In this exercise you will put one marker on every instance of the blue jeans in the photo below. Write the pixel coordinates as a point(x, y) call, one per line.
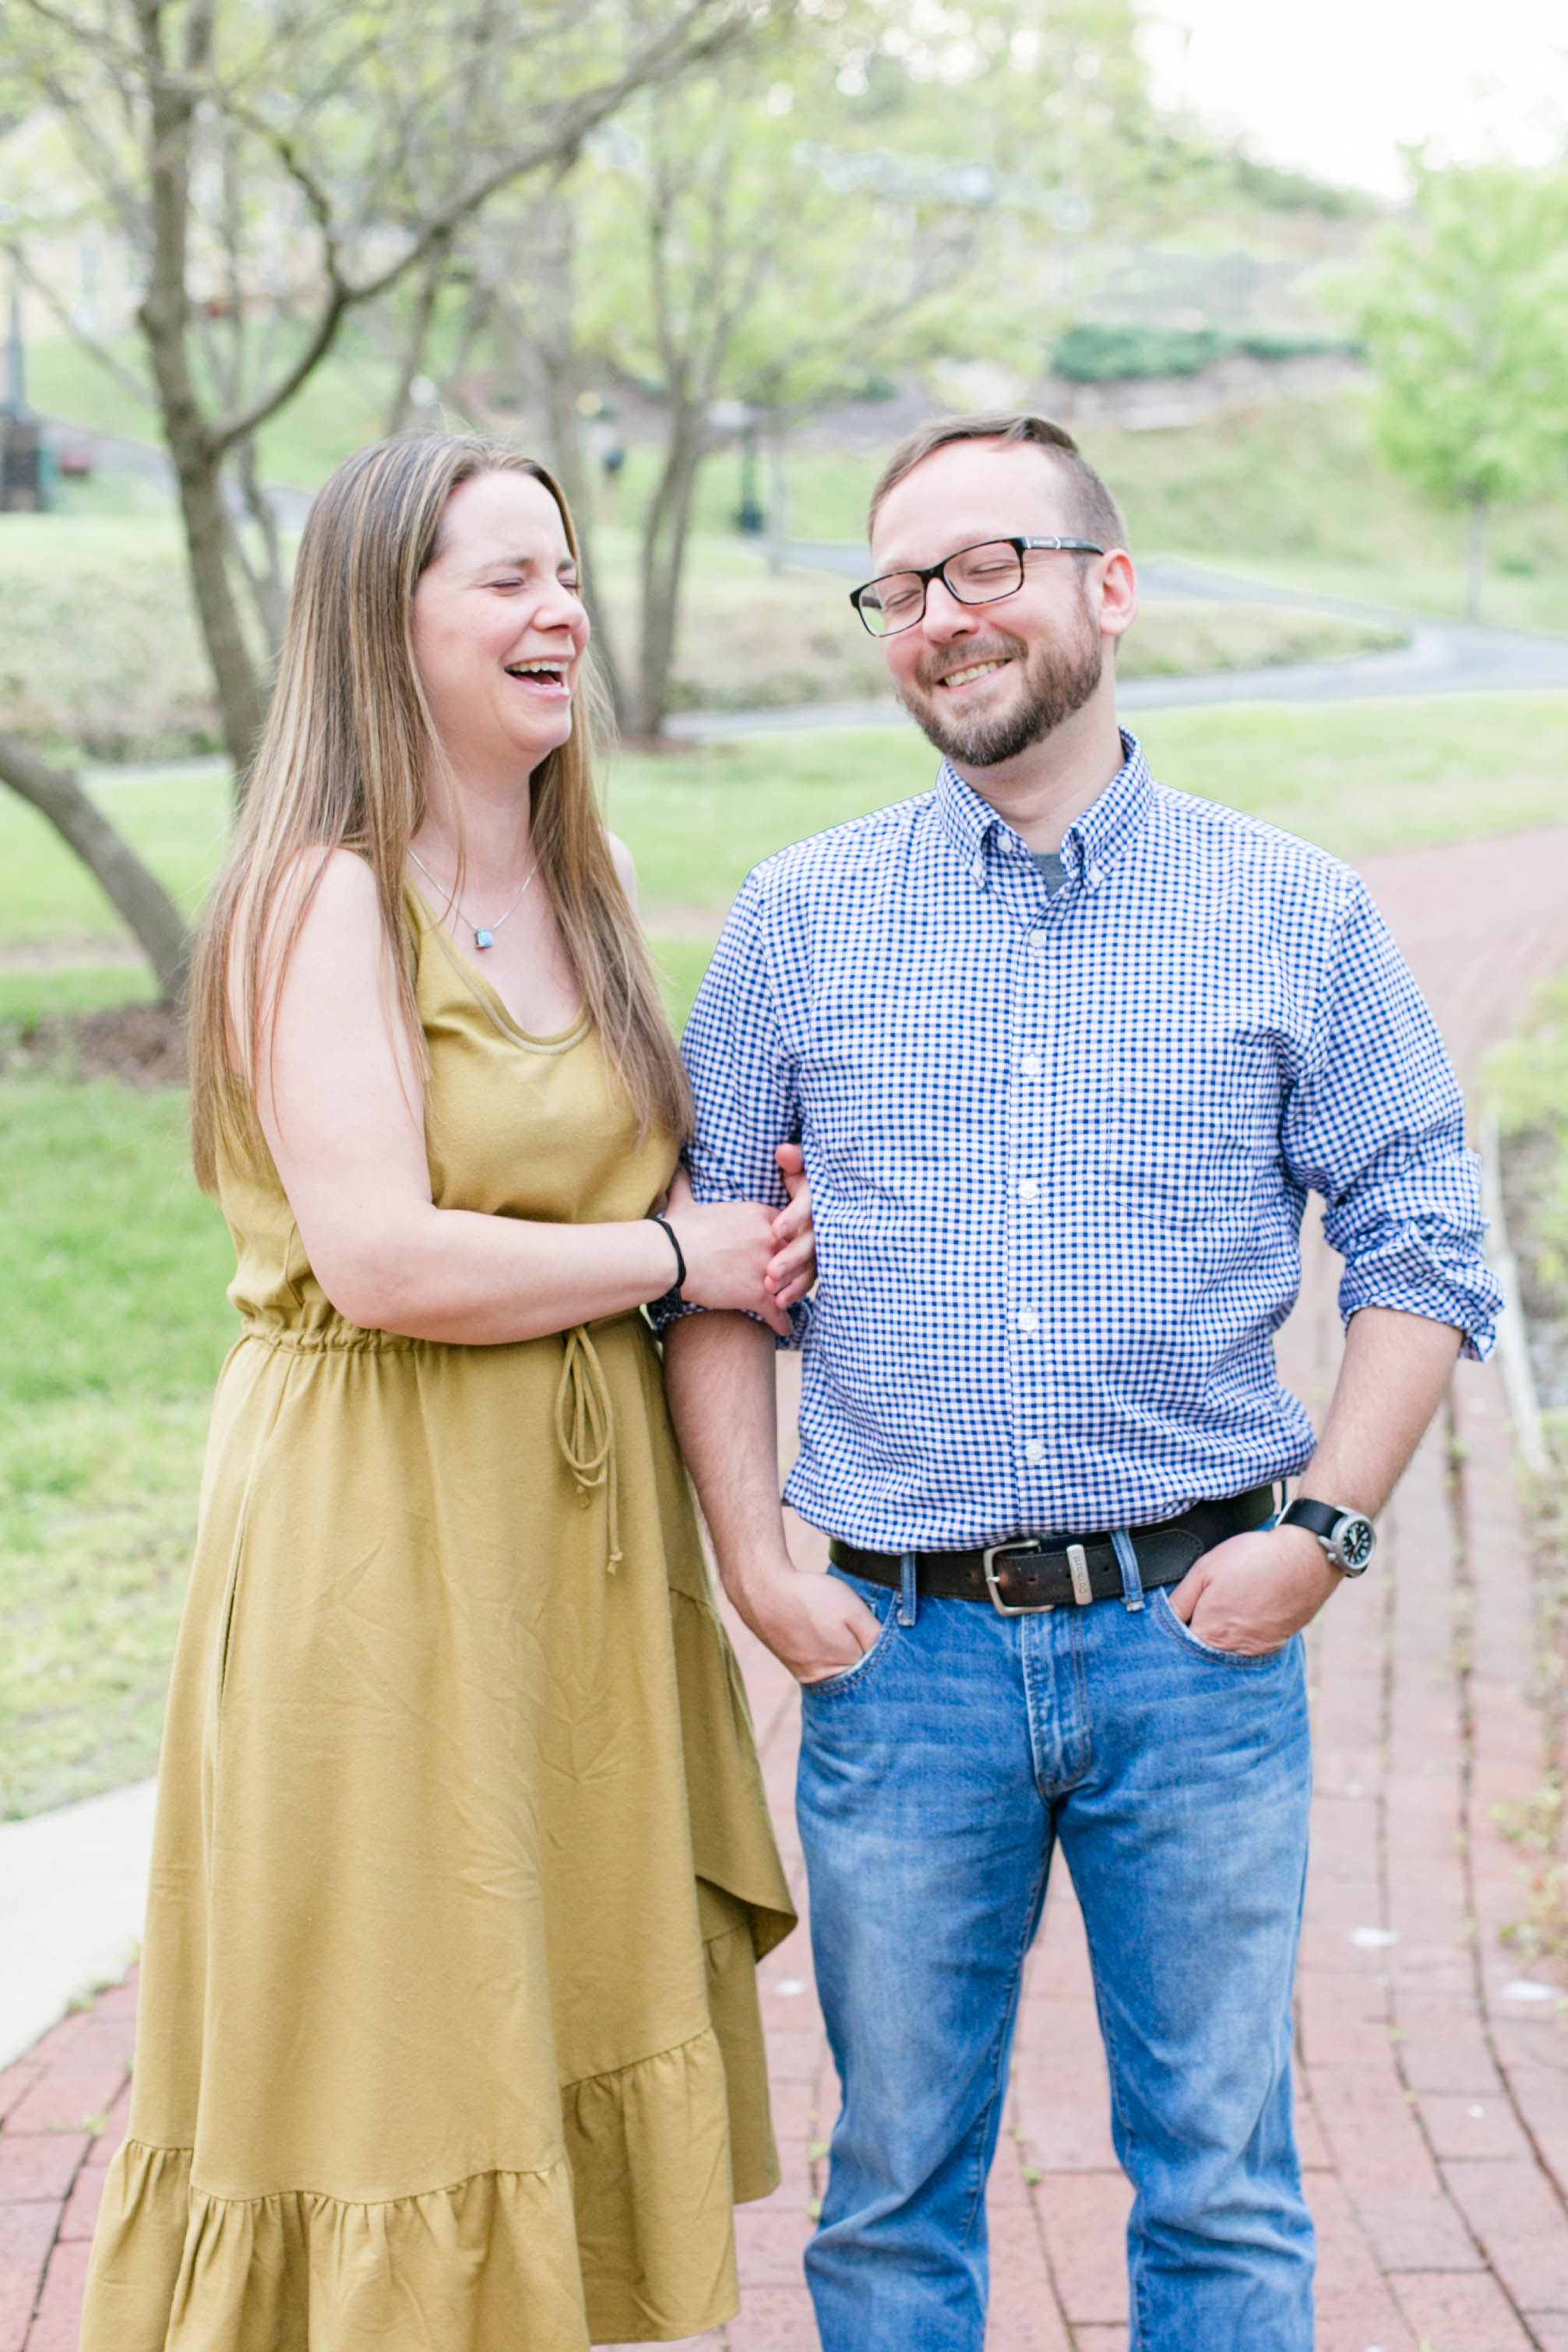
point(935, 1778)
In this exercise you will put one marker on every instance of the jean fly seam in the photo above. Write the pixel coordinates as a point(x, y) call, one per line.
point(1085, 1745)
point(1004, 2034)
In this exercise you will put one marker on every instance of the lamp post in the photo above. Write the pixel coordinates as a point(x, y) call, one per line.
point(752, 518)
point(21, 440)
point(743, 418)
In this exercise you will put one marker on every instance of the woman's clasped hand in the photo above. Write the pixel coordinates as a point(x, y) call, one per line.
point(740, 1256)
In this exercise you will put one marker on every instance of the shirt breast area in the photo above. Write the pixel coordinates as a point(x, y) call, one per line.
point(969, 1052)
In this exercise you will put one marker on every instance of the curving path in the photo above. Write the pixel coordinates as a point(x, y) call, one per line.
point(1433, 2067)
point(1441, 656)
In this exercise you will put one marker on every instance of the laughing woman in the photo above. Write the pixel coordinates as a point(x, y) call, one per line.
point(449, 2036)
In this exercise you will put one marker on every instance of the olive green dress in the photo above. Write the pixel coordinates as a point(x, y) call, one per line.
point(449, 2036)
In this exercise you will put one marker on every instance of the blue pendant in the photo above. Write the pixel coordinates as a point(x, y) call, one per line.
point(484, 939)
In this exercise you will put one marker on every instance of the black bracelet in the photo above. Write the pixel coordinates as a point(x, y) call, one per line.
point(675, 1293)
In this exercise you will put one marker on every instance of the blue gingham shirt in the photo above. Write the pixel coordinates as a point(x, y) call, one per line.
point(1059, 1144)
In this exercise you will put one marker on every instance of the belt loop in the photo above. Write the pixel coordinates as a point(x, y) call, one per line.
point(908, 1588)
point(1127, 1561)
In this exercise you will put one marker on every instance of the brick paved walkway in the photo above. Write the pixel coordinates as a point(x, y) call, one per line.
point(1433, 2071)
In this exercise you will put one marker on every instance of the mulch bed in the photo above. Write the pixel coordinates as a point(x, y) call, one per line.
point(140, 1044)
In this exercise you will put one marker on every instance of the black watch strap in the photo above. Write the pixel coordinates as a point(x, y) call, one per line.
point(1321, 1519)
point(1347, 1537)
point(675, 1295)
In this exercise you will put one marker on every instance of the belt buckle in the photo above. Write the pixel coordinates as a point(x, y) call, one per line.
point(1005, 1608)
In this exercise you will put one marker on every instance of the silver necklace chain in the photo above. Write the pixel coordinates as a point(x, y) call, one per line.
point(484, 933)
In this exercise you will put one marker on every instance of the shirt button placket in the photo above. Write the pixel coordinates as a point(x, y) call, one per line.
point(1027, 1148)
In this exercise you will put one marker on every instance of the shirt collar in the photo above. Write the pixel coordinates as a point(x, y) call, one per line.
point(1104, 827)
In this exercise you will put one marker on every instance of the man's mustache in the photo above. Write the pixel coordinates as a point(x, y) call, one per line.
point(935, 666)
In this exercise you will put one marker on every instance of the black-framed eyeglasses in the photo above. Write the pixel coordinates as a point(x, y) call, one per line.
point(975, 575)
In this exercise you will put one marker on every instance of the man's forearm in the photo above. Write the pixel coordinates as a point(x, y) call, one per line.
point(719, 1375)
point(1392, 1376)
point(1253, 1591)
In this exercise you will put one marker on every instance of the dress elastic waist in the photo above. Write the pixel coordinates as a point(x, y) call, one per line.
point(584, 1408)
point(349, 1338)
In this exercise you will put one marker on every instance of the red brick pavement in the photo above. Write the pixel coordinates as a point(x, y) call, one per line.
point(1434, 2097)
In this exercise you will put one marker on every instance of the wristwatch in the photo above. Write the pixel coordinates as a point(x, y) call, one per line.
point(1348, 1537)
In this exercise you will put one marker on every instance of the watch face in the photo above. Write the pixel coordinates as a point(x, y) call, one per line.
point(1355, 1540)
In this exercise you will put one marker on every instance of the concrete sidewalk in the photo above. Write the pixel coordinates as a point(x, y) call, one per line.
point(73, 1890)
point(1433, 2074)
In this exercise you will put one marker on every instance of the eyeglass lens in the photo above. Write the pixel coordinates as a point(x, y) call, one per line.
point(973, 576)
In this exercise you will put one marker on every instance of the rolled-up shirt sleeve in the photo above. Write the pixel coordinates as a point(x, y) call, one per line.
point(744, 1075)
point(1375, 1123)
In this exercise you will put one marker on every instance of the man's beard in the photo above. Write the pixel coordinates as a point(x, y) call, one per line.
point(1058, 680)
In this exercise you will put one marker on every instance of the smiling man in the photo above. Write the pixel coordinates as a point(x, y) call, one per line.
point(1065, 1053)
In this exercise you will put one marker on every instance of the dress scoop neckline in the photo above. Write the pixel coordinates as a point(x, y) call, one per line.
point(555, 1041)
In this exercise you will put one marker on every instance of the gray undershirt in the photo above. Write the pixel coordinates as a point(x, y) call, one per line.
point(1052, 872)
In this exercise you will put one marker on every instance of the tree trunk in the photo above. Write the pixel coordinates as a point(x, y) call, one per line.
point(137, 896)
point(265, 579)
point(241, 702)
point(427, 294)
point(164, 319)
point(560, 383)
point(664, 531)
point(1475, 555)
point(557, 367)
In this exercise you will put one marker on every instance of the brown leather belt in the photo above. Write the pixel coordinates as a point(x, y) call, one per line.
point(1030, 1572)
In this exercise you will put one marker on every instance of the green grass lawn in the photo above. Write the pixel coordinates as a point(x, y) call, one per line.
point(113, 1267)
point(1359, 777)
point(178, 823)
point(98, 1512)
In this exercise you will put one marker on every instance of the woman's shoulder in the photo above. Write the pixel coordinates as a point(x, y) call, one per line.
point(322, 925)
point(311, 884)
point(625, 867)
point(336, 884)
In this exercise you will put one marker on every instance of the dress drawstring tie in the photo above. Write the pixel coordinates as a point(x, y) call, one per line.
point(585, 1429)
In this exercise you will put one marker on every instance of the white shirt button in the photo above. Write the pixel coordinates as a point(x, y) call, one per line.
point(1035, 1449)
point(1038, 942)
point(978, 871)
point(1030, 1065)
point(1029, 1190)
point(1095, 878)
point(1027, 1319)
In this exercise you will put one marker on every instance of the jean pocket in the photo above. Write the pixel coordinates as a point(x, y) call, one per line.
point(1180, 1631)
point(884, 1602)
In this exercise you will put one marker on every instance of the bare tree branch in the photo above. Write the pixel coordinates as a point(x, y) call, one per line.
point(671, 54)
point(110, 362)
point(94, 39)
point(135, 893)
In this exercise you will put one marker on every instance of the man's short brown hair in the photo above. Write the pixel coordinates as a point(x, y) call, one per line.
point(1096, 514)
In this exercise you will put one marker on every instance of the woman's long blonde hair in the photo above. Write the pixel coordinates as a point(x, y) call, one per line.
point(342, 766)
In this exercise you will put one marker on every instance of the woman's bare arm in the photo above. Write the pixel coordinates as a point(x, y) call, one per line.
point(340, 1103)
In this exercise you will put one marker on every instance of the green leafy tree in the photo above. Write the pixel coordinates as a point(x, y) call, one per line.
point(279, 164)
point(725, 258)
point(1464, 313)
point(852, 195)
